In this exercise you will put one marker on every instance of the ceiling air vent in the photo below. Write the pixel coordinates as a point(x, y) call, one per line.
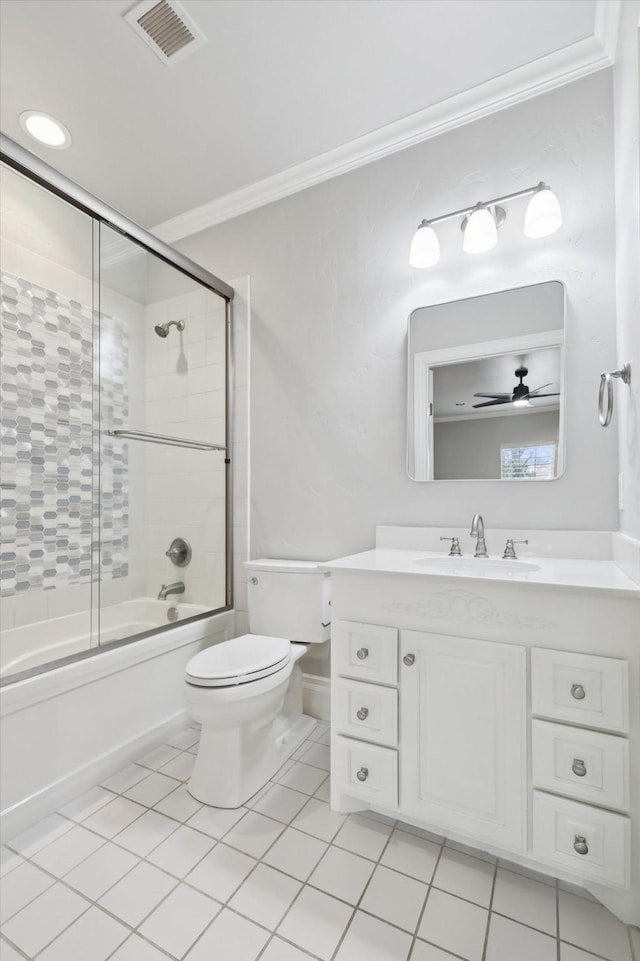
point(166, 29)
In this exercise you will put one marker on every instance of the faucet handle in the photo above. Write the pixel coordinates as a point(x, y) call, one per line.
point(509, 550)
point(455, 546)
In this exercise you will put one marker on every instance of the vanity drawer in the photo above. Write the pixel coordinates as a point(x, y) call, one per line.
point(367, 711)
point(365, 771)
point(580, 688)
point(580, 839)
point(365, 651)
point(584, 764)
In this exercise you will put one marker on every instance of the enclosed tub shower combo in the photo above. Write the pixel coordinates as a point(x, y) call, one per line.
point(116, 467)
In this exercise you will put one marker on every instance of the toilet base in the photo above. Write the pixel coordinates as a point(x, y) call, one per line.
point(244, 774)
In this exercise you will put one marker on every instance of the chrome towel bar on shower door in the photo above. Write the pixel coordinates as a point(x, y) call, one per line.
point(149, 438)
point(605, 411)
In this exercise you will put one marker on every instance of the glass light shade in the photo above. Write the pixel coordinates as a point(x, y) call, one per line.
point(425, 247)
point(480, 234)
point(45, 129)
point(522, 403)
point(543, 216)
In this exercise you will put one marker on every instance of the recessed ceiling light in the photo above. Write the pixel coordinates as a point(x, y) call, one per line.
point(45, 129)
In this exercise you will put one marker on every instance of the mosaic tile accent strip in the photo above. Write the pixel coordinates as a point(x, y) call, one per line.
point(48, 436)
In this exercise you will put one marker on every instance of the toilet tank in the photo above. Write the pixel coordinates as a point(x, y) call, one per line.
point(289, 599)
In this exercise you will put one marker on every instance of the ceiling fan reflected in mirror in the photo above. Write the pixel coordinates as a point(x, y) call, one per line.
point(521, 396)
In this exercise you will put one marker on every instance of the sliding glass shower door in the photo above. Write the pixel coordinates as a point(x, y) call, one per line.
point(163, 429)
point(46, 389)
point(115, 360)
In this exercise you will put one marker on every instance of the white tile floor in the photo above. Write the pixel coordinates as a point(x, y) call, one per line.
point(137, 870)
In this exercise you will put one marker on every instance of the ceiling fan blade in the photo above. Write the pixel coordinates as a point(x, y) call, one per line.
point(536, 389)
point(492, 403)
point(535, 396)
point(495, 396)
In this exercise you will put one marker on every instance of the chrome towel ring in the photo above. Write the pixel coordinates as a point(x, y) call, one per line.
point(605, 409)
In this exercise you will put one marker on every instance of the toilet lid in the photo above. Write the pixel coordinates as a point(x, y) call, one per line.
point(239, 661)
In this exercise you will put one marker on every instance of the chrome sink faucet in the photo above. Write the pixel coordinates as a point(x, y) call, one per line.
point(166, 589)
point(477, 530)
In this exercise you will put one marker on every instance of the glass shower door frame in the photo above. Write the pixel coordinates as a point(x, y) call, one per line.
point(36, 170)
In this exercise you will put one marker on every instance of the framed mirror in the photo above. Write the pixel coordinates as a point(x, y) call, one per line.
point(485, 387)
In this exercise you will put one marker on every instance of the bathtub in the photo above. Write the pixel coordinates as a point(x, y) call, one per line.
point(34, 645)
point(64, 730)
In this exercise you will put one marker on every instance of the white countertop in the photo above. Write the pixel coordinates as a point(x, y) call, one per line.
point(555, 572)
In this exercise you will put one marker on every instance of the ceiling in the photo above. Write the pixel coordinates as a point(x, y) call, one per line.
point(454, 385)
point(283, 94)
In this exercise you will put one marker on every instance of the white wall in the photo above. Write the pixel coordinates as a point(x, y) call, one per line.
point(331, 294)
point(627, 168)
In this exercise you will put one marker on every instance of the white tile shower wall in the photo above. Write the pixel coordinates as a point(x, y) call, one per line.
point(114, 591)
point(185, 489)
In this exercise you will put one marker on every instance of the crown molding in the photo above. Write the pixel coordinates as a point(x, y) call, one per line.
point(538, 77)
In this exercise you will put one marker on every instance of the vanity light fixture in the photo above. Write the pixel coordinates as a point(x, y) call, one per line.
point(480, 230)
point(480, 224)
point(425, 246)
point(543, 215)
point(45, 129)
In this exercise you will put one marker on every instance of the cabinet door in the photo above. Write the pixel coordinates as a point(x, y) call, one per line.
point(463, 736)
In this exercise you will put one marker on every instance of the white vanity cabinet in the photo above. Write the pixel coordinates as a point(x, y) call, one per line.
point(463, 736)
point(437, 730)
point(503, 715)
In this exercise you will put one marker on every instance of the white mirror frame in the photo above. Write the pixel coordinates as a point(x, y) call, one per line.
point(423, 365)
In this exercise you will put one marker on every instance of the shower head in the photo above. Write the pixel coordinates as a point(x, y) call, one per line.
point(162, 330)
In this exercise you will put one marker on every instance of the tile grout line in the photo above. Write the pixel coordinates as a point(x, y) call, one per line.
point(558, 945)
point(90, 904)
point(426, 898)
point(364, 890)
point(95, 903)
point(19, 951)
point(396, 826)
point(485, 946)
point(259, 861)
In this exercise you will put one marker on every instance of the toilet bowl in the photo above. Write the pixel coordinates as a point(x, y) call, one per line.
point(247, 692)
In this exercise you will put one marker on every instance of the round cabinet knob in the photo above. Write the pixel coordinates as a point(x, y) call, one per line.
point(580, 845)
point(363, 714)
point(409, 659)
point(578, 692)
point(578, 767)
point(362, 653)
point(363, 774)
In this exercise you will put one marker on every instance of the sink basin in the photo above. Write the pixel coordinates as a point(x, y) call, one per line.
point(475, 565)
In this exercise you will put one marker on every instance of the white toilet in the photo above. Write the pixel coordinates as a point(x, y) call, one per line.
point(247, 692)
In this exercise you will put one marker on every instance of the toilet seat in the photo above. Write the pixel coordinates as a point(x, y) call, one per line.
point(239, 661)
